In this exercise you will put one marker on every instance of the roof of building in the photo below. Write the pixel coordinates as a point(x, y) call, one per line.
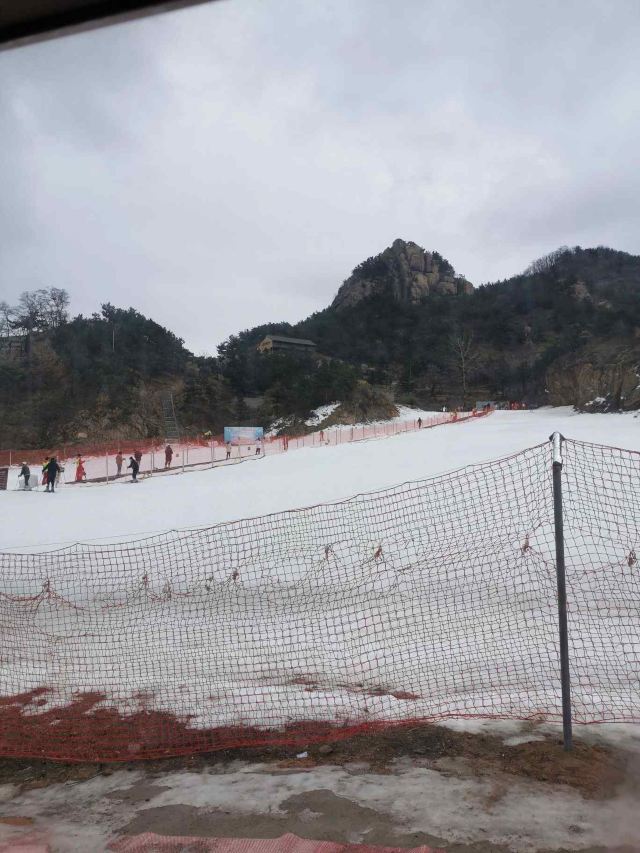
point(282, 339)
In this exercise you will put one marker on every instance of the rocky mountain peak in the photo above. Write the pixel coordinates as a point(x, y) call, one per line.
point(406, 271)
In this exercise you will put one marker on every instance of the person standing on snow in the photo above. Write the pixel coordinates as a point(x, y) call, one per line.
point(119, 461)
point(228, 446)
point(81, 474)
point(135, 467)
point(44, 470)
point(52, 469)
point(419, 423)
point(168, 456)
point(26, 473)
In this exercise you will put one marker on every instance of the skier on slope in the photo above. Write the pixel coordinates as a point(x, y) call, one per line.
point(119, 461)
point(135, 467)
point(168, 456)
point(26, 473)
point(52, 469)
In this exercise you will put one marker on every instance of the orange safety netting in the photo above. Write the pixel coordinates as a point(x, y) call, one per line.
point(200, 451)
point(431, 600)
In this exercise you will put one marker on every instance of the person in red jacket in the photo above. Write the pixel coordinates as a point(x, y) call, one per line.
point(81, 474)
point(168, 456)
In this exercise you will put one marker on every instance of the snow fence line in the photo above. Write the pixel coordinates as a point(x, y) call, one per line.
point(189, 454)
point(431, 600)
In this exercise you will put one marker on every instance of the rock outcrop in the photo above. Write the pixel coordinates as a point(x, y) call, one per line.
point(405, 271)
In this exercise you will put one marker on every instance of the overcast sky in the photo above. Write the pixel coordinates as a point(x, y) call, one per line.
point(229, 164)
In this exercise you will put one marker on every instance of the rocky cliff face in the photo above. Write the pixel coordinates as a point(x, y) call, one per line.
point(405, 271)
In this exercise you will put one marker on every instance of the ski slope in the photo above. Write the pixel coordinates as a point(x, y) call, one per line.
point(434, 601)
point(120, 511)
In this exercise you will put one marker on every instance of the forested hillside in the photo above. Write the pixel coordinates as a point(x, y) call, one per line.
point(565, 331)
point(405, 328)
point(98, 377)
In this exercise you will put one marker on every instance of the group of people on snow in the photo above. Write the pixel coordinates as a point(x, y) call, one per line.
point(136, 460)
point(51, 469)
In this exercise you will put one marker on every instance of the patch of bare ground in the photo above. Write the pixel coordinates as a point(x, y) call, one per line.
point(596, 771)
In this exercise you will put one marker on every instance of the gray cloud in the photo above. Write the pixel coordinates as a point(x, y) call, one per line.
point(229, 164)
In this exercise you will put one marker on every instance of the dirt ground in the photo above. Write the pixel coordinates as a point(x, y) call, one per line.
point(595, 770)
point(459, 791)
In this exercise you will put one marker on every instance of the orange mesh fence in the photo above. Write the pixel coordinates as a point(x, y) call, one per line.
point(100, 457)
point(430, 600)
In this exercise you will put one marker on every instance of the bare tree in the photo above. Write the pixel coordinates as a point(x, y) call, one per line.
point(41, 310)
point(547, 262)
point(31, 311)
point(7, 314)
point(58, 303)
point(465, 356)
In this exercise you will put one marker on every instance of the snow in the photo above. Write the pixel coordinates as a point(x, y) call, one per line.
point(494, 813)
point(257, 680)
point(321, 414)
point(304, 477)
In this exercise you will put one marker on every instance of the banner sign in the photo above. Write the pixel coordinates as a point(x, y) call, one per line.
point(243, 435)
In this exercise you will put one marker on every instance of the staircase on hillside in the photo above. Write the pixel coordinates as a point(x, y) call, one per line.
point(171, 428)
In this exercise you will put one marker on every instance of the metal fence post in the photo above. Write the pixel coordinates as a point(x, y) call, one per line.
point(556, 441)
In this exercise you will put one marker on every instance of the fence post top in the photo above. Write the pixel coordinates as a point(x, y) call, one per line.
point(556, 440)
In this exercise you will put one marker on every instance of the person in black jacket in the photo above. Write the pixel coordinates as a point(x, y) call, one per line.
point(135, 467)
point(52, 469)
point(25, 472)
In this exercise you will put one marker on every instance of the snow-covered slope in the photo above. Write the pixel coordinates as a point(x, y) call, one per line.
point(303, 477)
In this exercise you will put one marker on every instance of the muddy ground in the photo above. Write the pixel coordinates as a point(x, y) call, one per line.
point(459, 791)
point(595, 770)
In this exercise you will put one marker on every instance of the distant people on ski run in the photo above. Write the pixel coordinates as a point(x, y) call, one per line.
point(419, 423)
point(168, 456)
point(81, 474)
point(228, 447)
point(52, 469)
point(44, 470)
point(119, 461)
point(135, 467)
point(26, 473)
